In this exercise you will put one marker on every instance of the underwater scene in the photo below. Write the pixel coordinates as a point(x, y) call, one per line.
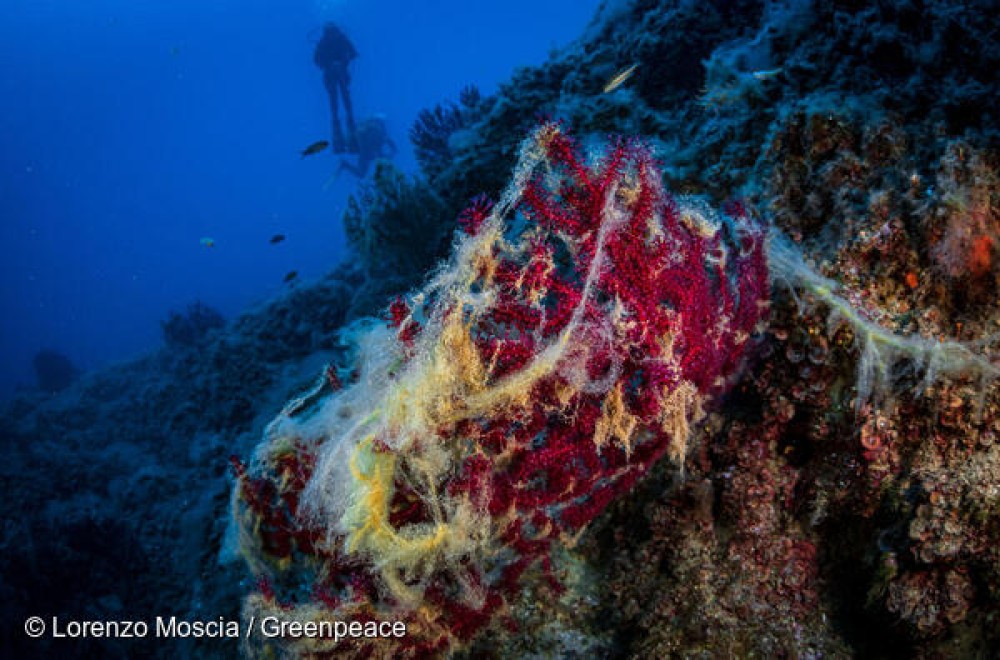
point(533, 329)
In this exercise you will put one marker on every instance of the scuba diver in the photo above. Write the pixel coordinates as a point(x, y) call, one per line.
point(373, 143)
point(333, 53)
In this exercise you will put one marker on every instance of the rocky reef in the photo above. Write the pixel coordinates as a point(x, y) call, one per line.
point(836, 497)
point(841, 501)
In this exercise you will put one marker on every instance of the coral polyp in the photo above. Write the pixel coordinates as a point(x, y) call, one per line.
point(582, 325)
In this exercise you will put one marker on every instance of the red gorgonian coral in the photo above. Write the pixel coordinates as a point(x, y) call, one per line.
point(577, 332)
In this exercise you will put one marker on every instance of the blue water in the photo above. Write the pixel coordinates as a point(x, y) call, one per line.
point(130, 130)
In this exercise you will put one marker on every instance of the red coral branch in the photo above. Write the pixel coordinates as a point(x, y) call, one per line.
point(657, 302)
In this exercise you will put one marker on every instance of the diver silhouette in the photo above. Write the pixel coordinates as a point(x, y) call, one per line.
point(373, 143)
point(332, 55)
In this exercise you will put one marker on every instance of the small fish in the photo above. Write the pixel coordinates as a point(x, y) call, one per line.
point(277, 238)
point(315, 148)
point(290, 276)
point(766, 74)
point(207, 242)
point(619, 79)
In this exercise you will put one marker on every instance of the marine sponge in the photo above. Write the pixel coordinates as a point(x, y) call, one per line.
point(580, 328)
